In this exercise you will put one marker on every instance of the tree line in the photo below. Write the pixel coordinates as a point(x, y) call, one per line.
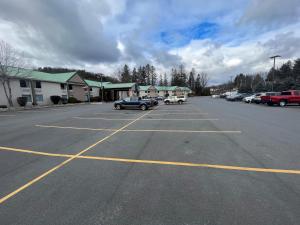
point(276, 79)
point(147, 75)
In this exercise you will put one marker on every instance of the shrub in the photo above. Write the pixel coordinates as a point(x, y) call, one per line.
point(73, 100)
point(22, 101)
point(95, 99)
point(55, 99)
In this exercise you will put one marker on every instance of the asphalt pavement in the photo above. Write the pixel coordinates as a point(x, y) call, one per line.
point(207, 162)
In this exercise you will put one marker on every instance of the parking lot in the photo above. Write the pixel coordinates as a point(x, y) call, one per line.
point(204, 162)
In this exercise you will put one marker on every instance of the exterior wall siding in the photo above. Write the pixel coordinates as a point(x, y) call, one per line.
point(48, 90)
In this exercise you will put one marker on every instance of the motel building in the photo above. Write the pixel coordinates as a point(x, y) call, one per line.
point(148, 91)
point(37, 86)
point(111, 91)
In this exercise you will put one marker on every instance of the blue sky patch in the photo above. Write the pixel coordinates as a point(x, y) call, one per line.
point(180, 37)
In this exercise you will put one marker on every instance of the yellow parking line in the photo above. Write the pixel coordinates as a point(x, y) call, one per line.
point(99, 118)
point(34, 152)
point(121, 119)
point(157, 114)
point(75, 128)
point(185, 131)
point(208, 119)
point(157, 162)
point(3, 199)
point(145, 130)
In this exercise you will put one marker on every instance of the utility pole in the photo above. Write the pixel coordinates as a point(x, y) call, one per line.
point(274, 58)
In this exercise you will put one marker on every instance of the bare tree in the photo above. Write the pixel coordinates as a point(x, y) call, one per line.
point(203, 80)
point(10, 64)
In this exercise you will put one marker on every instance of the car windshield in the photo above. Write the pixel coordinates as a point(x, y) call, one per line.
point(126, 99)
point(286, 93)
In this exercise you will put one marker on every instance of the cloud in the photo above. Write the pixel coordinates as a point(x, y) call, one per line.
point(271, 13)
point(103, 35)
point(72, 31)
point(221, 61)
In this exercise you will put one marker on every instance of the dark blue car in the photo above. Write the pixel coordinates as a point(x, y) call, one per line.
point(132, 103)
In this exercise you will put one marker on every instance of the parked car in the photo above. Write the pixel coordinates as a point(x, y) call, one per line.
point(266, 98)
point(159, 98)
point(175, 99)
point(285, 98)
point(257, 98)
point(249, 99)
point(232, 97)
point(132, 103)
point(153, 101)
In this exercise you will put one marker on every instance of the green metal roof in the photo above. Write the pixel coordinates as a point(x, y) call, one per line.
point(146, 87)
point(166, 88)
point(118, 85)
point(41, 76)
point(92, 83)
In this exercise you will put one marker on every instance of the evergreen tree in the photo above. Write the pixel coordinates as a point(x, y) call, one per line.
point(161, 82)
point(153, 76)
point(142, 76)
point(125, 75)
point(148, 74)
point(191, 80)
point(135, 76)
point(296, 70)
point(165, 80)
point(286, 70)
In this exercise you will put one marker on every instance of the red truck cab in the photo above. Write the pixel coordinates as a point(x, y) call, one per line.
point(267, 96)
point(286, 97)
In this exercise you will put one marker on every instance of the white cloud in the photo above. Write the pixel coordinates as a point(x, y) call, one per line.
point(103, 35)
point(224, 60)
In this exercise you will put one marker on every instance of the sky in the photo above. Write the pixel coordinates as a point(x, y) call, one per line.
point(220, 38)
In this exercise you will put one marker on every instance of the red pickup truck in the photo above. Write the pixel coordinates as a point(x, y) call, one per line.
point(286, 97)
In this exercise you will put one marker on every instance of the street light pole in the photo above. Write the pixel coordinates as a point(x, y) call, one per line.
point(274, 58)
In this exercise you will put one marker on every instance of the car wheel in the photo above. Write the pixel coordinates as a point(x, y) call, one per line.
point(143, 107)
point(282, 103)
point(167, 102)
point(118, 107)
point(180, 102)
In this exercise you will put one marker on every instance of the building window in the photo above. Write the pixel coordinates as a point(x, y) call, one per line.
point(157, 91)
point(91, 89)
point(39, 98)
point(38, 84)
point(70, 87)
point(62, 86)
point(28, 97)
point(64, 96)
point(24, 83)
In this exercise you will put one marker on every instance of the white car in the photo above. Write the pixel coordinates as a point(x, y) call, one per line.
point(249, 99)
point(175, 99)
